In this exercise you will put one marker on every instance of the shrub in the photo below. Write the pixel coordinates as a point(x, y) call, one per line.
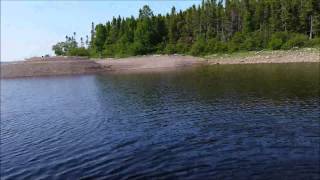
point(170, 49)
point(233, 47)
point(160, 48)
point(198, 48)
point(109, 51)
point(284, 36)
point(182, 47)
point(78, 52)
point(93, 53)
point(215, 46)
point(123, 49)
point(221, 46)
point(255, 41)
point(238, 38)
point(249, 44)
point(314, 42)
point(277, 40)
point(275, 43)
point(211, 46)
point(296, 40)
point(236, 42)
point(138, 48)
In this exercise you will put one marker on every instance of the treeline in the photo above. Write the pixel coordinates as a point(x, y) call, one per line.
point(212, 27)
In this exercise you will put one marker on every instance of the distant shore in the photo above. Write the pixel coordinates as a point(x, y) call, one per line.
point(150, 63)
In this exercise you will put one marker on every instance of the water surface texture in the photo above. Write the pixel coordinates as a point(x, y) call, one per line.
point(218, 122)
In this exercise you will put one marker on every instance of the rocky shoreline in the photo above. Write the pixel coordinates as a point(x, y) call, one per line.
point(78, 65)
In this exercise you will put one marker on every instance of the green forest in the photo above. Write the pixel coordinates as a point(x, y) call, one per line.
point(212, 27)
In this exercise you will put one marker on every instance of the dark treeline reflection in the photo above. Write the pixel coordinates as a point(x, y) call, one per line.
point(272, 82)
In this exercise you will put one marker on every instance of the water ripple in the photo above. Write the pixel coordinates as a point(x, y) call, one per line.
point(188, 125)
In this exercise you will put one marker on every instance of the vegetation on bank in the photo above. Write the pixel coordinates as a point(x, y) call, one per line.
point(262, 53)
point(210, 28)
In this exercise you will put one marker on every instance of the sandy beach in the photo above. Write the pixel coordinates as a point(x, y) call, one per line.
point(151, 63)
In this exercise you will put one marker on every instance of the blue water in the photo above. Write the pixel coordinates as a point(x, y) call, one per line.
point(219, 122)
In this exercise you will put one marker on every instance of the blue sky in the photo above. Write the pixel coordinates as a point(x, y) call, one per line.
point(30, 28)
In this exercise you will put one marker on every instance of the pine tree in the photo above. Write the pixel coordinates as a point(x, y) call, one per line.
point(212, 26)
point(87, 41)
point(100, 37)
point(92, 34)
point(172, 26)
point(81, 42)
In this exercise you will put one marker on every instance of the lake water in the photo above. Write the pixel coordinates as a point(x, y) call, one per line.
point(219, 122)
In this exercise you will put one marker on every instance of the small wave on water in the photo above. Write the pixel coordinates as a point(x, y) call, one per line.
point(220, 122)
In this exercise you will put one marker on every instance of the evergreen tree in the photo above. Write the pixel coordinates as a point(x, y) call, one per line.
point(92, 34)
point(213, 26)
point(100, 37)
point(81, 42)
point(87, 40)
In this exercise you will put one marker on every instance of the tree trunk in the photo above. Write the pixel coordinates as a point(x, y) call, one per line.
point(310, 35)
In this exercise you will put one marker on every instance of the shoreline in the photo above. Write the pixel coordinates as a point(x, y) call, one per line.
point(267, 57)
point(149, 63)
